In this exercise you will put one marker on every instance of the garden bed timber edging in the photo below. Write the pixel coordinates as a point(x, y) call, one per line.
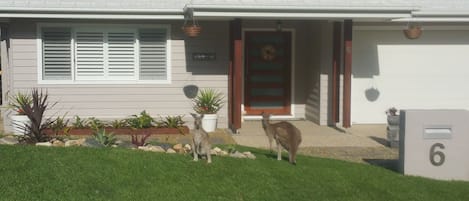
point(123, 131)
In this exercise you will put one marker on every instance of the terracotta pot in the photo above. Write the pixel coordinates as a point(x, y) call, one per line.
point(413, 32)
point(192, 30)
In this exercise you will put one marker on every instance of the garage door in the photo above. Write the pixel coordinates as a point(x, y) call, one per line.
point(388, 70)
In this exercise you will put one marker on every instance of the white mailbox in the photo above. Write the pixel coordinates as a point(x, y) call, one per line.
point(434, 143)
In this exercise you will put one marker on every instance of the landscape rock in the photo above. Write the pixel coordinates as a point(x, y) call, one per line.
point(177, 147)
point(223, 153)
point(91, 142)
point(165, 146)
point(57, 143)
point(71, 143)
point(249, 155)
point(151, 148)
point(187, 147)
point(237, 154)
point(217, 150)
point(171, 151)
point(11, 140)
point(45, 144)
point(213, 152)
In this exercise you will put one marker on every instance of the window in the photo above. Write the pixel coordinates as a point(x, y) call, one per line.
point(104, 54)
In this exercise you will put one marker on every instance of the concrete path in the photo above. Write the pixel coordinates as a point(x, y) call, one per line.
point(313, 135)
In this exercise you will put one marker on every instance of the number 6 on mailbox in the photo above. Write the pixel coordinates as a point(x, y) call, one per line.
point(434, 153)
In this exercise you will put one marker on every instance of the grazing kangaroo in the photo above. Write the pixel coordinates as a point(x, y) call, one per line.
point(286, 135)
point(200, 141)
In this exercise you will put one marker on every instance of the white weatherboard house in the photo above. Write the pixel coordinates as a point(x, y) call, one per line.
point(337, 62)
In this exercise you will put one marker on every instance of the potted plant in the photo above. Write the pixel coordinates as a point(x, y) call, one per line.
point(413, 32)
point(208, 102)
point(19, 119)
point(192, 30)
point(393, 127)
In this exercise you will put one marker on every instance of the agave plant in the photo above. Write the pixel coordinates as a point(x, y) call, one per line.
point(208, 101)
point(106, 139)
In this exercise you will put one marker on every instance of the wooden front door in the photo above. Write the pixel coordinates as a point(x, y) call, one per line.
point(267, 78)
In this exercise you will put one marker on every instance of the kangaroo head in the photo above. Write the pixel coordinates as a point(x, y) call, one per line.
point(265, 119)
point(197, 120)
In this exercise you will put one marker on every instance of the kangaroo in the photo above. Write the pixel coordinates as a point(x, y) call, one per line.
point(200, 141)
point(286, 135)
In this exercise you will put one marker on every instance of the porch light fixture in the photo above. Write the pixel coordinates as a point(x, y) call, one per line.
point(413, 31)
point(279, 25)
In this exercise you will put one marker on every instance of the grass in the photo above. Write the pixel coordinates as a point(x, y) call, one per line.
point(48, 173)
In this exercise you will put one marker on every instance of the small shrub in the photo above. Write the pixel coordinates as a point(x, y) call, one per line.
point(106, 139)
point(139, 140)
point(118, 123)
point(35, 112)
point(144, 120)
point(60, 124)
point(95, 124)
point(173, 121)
point(78, 122)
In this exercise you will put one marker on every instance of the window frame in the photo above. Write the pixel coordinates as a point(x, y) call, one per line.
point(74, 26)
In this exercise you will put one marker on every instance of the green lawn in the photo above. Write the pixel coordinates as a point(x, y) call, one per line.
point(46, 173)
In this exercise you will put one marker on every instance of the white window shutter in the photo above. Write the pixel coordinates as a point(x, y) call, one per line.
point(121, 55)
point(56, 53)
point(89, 55)
point(153, 65)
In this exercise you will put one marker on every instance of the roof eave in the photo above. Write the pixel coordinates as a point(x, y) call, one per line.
point(73, 13)
point(227, 12)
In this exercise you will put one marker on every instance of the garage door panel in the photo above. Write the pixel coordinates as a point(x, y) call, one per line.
point(428, 73)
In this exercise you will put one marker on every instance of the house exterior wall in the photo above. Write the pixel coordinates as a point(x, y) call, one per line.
point(317, 105)
point(391, 71)
point(306, 61)
point(109, 101)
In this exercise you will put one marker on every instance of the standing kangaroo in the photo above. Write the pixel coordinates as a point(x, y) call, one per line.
point(200, 141)
point(285, 134)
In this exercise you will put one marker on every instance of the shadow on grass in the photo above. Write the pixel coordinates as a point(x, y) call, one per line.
point(270, 154)
point(390, 164)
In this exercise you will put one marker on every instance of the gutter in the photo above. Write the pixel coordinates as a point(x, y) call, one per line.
point(97, 13)
point(88, 10)
point(92, 16)
point(440, 13)
point(227, 12)
point(436, 16)
point(263, 8)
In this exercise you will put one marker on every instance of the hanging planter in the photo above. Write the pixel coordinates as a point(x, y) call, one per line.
point(192, 30)
point(413, 32)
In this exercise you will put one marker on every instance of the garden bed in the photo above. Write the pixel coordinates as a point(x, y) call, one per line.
point(121, 131)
